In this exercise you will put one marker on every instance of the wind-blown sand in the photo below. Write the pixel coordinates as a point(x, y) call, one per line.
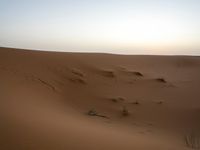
point(79, 101)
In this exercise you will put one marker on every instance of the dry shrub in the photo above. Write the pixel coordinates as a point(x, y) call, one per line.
point(192, 140)
point(92, 112)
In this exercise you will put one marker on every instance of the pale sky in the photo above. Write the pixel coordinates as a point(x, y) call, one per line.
point(108, 26)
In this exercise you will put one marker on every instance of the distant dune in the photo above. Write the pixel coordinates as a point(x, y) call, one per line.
point(82, 101)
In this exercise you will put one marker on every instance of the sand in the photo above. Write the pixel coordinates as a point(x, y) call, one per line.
point(83, 101)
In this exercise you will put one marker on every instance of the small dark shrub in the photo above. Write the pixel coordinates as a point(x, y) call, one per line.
point(136, 102)
point(117, 99)
point(114, 100)
point(161, 80)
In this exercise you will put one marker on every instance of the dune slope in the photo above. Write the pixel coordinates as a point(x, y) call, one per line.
point(76, 101)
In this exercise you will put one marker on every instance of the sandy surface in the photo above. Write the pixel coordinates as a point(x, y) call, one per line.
point(79, 101)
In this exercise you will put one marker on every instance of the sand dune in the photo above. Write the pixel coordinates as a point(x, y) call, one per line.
point(77, 101)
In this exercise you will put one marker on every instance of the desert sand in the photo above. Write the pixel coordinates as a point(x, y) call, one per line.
point(94, 101)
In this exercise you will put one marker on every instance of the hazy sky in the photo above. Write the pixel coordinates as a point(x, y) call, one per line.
point(116, 26)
